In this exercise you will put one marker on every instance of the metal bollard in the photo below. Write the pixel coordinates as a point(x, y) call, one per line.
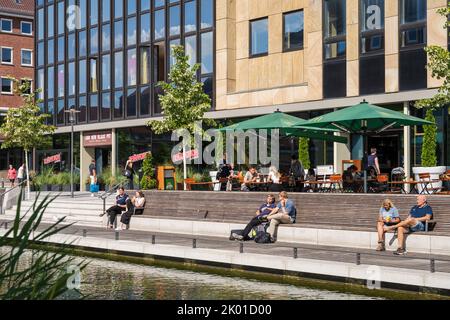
point(194, 243)
point(84, 233)
point(117, 235)
point(295, 253)
point(358, 259)
point(241, 247)
point(432, 266)
point(153, 239)
point(3, 183)
point(6, 225)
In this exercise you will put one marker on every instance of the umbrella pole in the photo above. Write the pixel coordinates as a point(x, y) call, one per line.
point(365, 159)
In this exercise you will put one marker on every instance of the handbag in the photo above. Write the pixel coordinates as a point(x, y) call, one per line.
point(94, 188)
point(127, 173)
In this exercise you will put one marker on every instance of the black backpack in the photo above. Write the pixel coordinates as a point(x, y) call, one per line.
point(263, 237)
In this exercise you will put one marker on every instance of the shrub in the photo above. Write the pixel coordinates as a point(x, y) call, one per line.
point(429, 147)
point(303, 152)
point(148, 181)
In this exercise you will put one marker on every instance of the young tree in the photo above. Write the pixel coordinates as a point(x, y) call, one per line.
point(439, 65)
point(303, 152)
point(25, 127)
point(183, 101)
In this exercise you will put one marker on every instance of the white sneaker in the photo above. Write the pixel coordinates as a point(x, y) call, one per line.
point(118, 229)
point(92, 194)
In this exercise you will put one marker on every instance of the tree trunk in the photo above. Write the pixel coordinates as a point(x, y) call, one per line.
point(184, 166)
point(28, 175)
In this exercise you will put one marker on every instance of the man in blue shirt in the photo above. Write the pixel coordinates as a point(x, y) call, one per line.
point(261, 217)
point(121, 205)
point(418, 216)
point(285, 212)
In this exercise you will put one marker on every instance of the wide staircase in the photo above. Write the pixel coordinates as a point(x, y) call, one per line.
point(316, 210)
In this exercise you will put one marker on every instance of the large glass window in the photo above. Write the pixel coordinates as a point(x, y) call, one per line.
point(50, 82)
point(26, 28)
point(51, 51)
point(60, 112)
point(118, 104)
point(118, 69)
point(82, 76)
point(61, 48)
point(159, 24)
point(83, 8)
point(82, 44)
point(145, 27)
point(207, 13)
point(61, 19)
point(145, 101)
point(41, 22)
point(334, 68)
point(40, 84)
point(94, 41)
point(27, 58)
point(118, 34)
point(40, 53)
point(71, 46)
point(93, 108)
point(131, 6)
point(131, 31)
point(259, 43)
point(71, 79)
point(94, 12)
point(50, 22)
point(207, 59)
point(106, 37)
point(131, 103)
point(61, 78)
point(93, 75)
point(6, 25)
point(159, 55)
point(190, 46)
point(106, 106)
point(190, 16)
point(413, 11)
point(145, 65)
point(174, 14)
point(106, 10)
point(82, 106)
point(145, 5)
point(118, 8)
point(293, 30)
point(106, 72)
point(131, 67)
point(6, 55)
point(7, 86)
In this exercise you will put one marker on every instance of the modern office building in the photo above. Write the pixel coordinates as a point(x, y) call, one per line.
point(304, 57)
point(16, 60)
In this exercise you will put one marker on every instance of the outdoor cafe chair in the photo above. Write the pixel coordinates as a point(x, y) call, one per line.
point(427, 183)
point(335, 183)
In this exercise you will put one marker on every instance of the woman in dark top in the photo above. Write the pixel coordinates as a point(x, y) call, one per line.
point(129, 173)
point(372, 161)
point(121, 205)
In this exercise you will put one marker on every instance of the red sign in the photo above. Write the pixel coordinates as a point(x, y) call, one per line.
point(53, 159)
point(192, 154)
point(138, 157)
point(97, 139)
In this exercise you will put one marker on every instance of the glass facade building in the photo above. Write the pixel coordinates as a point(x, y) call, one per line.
point(105, 56)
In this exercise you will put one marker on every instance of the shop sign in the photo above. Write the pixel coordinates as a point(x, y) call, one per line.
point(97, 139)
point(53, 159)
point(138, 157)
point(190, 155)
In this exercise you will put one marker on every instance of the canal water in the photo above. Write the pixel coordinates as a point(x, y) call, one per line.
point(104, 279)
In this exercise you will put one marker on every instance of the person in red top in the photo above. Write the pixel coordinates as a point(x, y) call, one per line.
point(12, 175)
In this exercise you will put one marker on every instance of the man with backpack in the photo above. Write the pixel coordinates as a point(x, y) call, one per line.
point(260, 218)
point(285, 212)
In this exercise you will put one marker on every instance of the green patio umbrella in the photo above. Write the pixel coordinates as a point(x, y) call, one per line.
point(363, 119)
point(288, 125)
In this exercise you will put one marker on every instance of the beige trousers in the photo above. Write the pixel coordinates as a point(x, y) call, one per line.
point(276, 220)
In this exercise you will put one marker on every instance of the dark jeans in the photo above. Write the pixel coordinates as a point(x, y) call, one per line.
point(131, 183)
point(113, 212)
point(256, 221)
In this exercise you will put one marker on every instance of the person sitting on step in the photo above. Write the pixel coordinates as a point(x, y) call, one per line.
point(135, 206)
point(285, 212)
point(388, 216)
point(121, 205)
point(261, 217)
point(418, 216)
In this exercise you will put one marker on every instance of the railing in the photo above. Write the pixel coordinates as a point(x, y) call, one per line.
point(105, 195)
point(2, 195)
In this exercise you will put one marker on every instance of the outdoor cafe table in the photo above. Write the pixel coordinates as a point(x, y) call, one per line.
point(402, 184)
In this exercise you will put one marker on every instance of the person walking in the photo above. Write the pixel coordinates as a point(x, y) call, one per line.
point(92, 177)
point(12, 175)
point(129, 173)
point(372, 161)
point(21, 174)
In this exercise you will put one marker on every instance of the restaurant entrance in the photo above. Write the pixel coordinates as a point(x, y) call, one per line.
point(389, 148)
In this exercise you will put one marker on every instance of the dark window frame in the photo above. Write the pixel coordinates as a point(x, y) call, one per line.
point(302, 47)
point(250, 47)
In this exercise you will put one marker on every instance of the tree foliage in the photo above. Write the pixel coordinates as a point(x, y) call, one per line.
point(429, 158)
point(183, 101)
point(148, 180)
point(25, 127)
point(303, 152)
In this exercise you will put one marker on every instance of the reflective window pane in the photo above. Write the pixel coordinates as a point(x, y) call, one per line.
point(335, 50)
point(413, 11)
point(40, 83)
point(259, 43)
point(61, 44)
point(82, 103)
point(106, 106)
point(118, 34)
point(145, 101)
point(118, 8)
point(71, 79)
point(131, 103)
point(83, 8)
point(131, 32)
point(118, 69)
point(61, 19)
point(61, 80)
point(94, 41)
point(41, 22)
point(82, 76)
point(334, 19)
point(190, 46)
point(118, 104)
point(71, 46)
point(159, 24)
point(106, 72)
point(173, 43)
point(93, 108)
point(106, 10)
point(190, 16)
point(50, 21)
point(131, 67)
point(145, 5)
point(93, 75)
point(207, 15)
point(372, 15)
point(174, 14)
point(145, 27)
point(131, 6)
point(60, 112)
point(293, 30)
point(145, 65)
point(51, 51)
point(50, 82)
point(106, 37)
point(40, 53)
point(82, 44)
point(94, 12)
point(158, 3)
